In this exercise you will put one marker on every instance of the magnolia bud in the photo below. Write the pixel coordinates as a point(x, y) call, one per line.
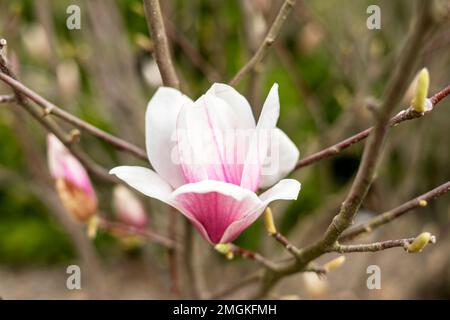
point(226, 249)
point(128, 208)
point(334, 264)
point(72, 181)
point(268, 221)
point(420, 242)
point(419, 102)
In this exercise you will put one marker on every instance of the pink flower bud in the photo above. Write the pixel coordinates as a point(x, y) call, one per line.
point(128, 208)
point(72, 181)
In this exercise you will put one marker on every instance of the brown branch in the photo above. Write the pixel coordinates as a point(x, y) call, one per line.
point(408, 114)
point(50, 108)
point(395, 89)
point(420, 201)
point(117, 227)
point(292, 249)
point(21, 100)
point(156, 27)
point(376, 246)
point(189, 254)
point(270, 38)
point(251, 255)
point(7, 98)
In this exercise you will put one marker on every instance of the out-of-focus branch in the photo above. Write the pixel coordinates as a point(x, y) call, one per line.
point(251, 255)
point(7, 75)
point(157, 30)
point(267, 42)
point(395, 89)
point(376, 246)
point(146, 234)
point(388, 216)
point(404, 115)
point(7, 98)
point(196, 58)
point(50, 108)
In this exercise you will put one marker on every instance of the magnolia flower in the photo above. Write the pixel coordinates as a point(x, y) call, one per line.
point(128, 208)
point(72, 181)
point(210, 158)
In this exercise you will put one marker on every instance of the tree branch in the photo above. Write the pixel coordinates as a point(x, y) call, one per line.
point(50, 108)
point(408, 114)
point(157, 30)
point(376, 246)
point(366, 172)
point(118, 227)
point(390, 215)
point(270, 38)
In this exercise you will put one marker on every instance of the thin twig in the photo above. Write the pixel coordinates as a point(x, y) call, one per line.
point(156, 27)
point(50, 108)
point(251, 255)
point(267, 42)
point(146, 234)
point(189, 255)
point(172, 254)
point(366, 172)
point(21, 100)
point(388, 216)
point(292, 249)
point(374, 247)
point(408, 114)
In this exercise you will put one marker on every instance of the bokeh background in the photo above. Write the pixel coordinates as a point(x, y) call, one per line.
point(327, 63)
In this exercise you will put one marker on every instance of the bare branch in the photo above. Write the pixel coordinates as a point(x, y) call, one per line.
point(404, 115)
point(270, 38)
point(50, 108)
point(376, 246)
point(156, 27)
point(117, 227)
point(420, 201)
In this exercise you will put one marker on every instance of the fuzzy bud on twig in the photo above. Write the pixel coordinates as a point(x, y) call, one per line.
point(268, 222)
point(334, 264)
point(420, 242)
point(226, 249)
point(419, 101)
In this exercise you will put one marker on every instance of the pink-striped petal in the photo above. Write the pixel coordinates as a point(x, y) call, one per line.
point(160, 137)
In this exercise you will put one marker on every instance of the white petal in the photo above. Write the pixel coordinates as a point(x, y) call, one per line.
point(144, 180)
point(160, 122)
point(281, 159)
point(258, 146)
point(270, 110)
point(286, 189)
point(237, 102)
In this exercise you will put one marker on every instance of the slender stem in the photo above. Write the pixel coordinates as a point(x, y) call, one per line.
point(390, 215)
point(335, 149)
point(366, 172)
point(172, 254)
point(270, 38)
point(21, 100)
point(251, 255)
point(117, 227)
point(50, 108)
point(292, 249)
point(156, 27)
point(374, 247)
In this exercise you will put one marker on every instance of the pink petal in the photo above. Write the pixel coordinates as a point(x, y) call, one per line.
point(210, 141)
point(287, 189)
point(213, 206)
point(160, 122)
point(63, 164)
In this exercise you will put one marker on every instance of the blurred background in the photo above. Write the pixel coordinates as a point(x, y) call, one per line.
point(327, 64)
